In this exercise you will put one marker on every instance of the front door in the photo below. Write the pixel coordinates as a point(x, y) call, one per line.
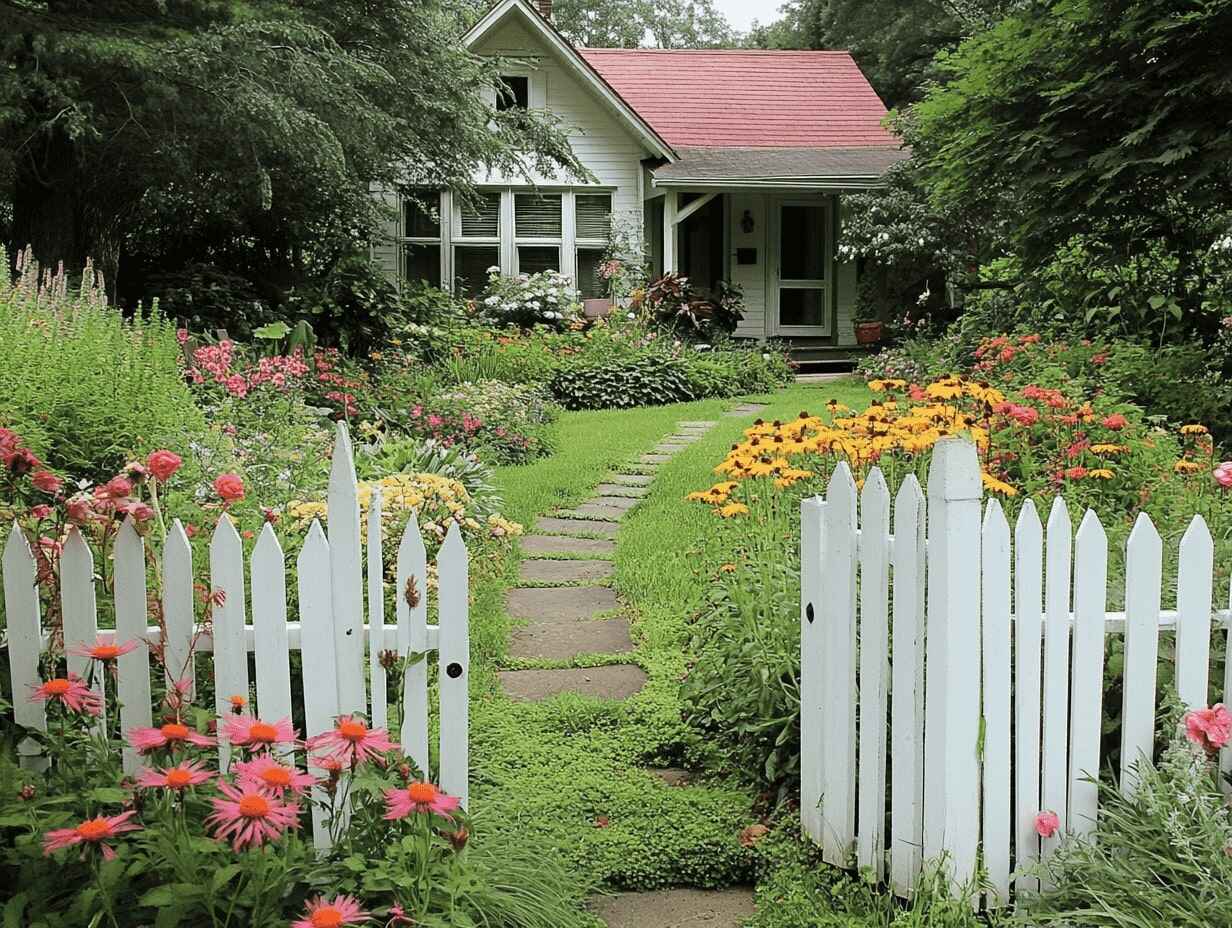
point(798, 281)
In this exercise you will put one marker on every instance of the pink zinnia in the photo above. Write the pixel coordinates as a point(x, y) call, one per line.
point(249, 817)
point(337, 912)
point(1046, 824)
point(352, 741)
point(1210, 729)
point(71, 692)
point(168, 735)
point(178, 778)
point(418, 797)
point(276, 778)
point(101, 650)
point(246, 731)
point(93, 831)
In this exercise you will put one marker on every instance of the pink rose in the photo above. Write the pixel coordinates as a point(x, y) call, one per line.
point(163, 464)
point(1210, 729)
point(79, 510)
point(230, 487)
point(1046, 824)
point(115, 488)
point(46, 481)
point(1223, 474)
point(40, 512)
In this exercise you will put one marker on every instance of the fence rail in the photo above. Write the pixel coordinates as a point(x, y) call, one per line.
point(330, 634)
point(977, 679)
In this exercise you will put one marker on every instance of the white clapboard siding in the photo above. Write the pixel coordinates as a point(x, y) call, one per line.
point(1194, 594)
point(1143, 570)
point(996, 632)
point(1054, 779)
point(838, 798)
point(376, 612)
point(1028, 637)
point(347, 574)
point(178, 606)
point(228, 618)
point(812, 645)
point(453, 653)
point(874, 669)
point(412, 579)
point(907, 689)
point(133, 668)
point(1087, 685)
point(23, 625)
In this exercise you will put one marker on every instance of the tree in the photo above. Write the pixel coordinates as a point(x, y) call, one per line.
point(634, 23)
point(247, 131)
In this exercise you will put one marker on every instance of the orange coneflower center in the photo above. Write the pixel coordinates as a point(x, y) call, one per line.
point(422, 793)
point(95, 829)
point(254, 807)
point(57, 687)
point(262, 731)
point(104, 652)
point(352, 730)
point(276, 776)
point(174, 731)
point(178, 777)
point(326, 917)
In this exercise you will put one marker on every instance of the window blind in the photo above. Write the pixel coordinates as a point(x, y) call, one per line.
point(594, 216)
point(537, 215)
point(482, 219)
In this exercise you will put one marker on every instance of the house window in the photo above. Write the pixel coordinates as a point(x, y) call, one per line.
point(593, 224)
point(513, 92)
point(538, 227)
point(477, 245)
point(421, 237)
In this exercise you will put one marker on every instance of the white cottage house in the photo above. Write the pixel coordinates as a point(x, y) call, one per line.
point(727, 164)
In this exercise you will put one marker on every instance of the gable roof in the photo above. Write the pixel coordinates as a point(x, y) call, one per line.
point(748, 98)
point(566, 52)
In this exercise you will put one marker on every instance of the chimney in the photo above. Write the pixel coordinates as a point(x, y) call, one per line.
point(545, 8)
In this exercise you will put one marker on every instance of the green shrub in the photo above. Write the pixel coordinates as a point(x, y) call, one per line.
point(737, 369)
point(427, 456)
point(86, 388)
point(650, 380)
point(502, 423)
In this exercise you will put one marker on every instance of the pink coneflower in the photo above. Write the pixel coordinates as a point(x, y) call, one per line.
point(351, 741)
point(71, 692)
point(270, 775)
point(418, 797)
point(171, 734)
point(246, 731)
point(249, 817)
point(179, 777)
point(103, 651)
point(93, 831)
point(334, 913)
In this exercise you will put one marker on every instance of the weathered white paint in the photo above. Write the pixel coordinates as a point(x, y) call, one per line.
point(874, 669)
point(1054, 779)
point(1028, 635)
point(812, 667)
point(1087, 686)
point(133, 668)
point(995, 619)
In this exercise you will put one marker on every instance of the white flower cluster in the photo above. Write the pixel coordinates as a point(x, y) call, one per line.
point(528, 299)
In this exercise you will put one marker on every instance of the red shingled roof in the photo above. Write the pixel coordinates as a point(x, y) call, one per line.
point(747, 98)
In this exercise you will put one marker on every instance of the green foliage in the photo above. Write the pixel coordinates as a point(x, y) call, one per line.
point(355, 308)
point(503, 423)
point(417, 456)
point(650, 380)
point(626, 23)
point(675, 305)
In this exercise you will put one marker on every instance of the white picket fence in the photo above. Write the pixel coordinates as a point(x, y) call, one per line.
point(981, 674)
point(330, 634)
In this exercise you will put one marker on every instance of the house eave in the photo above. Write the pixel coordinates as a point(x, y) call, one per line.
point(865, 182)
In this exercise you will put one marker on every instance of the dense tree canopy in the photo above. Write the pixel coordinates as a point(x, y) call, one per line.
point(245, 133)
point(634, 23)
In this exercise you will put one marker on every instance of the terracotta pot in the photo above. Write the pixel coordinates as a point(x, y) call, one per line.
point(868, 333)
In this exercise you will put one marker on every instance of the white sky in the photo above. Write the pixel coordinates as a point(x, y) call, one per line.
point(741, 13)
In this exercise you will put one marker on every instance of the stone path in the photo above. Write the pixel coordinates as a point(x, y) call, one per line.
point(564, 611)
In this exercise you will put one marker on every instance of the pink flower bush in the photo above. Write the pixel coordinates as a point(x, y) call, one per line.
point(418, 797)
point(1047, 823)
point(1210, 729)
point(248, 816)
point(256, 735)
point(170, 735)
point(94, 832)
point(71, 692)
point(268, 774)
point(177, 778)
point(336, 913)
point(351, 741)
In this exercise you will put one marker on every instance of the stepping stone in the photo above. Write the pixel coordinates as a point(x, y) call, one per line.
point(592, 511)
point(632, 480)
point(677, 908)
point(619, 489)
point(569, 526)
point(613, 502)
point(565, 602)
point(619, 681)
point(672, 776)
point(745, 409)
point(697, 424)
point(566, 639)
point(685, 438)
point(558, 544)
point(564, 571)
point(655, 458)
point(668, 449)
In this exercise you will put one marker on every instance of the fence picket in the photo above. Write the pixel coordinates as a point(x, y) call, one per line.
point(1143, 578)
point(906, 689)
point(376, 612)
point(1087, 686)
point(995, 618)
point(1225, 756)
point(24, 628)
point(1195, 576)
point(79, 610)
point(838, 798)
point(346, 566)
point(317, 649)
point(230, 653)
point(812, 630)
point(1028, 635)
point(269, 627)
point(1054, 782)
point(412, 574)
point(874, 669)
point(453, 653)
point(178, 605)
point(132, 620)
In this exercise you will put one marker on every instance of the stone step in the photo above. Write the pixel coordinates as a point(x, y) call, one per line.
point(541, 571)
point(594, 511)
point(621, 490)
point(564, 602)
point(745, 409)
point(700, 424)
point(565, 639)
point(632, 480)
point(576, 526)
point(682, 439)
point(668, 448)
point(677, 908)
point(619, 681)
point(541, 545)
point(655, 458)
point(612, 502)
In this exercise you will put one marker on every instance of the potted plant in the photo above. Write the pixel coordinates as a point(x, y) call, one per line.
point(869, 330)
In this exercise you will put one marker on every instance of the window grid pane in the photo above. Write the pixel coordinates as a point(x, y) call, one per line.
point(590, 282)
point(535, 258)
point(513, 92)
point(483, 219)
point(422, 262)
point(419, 222)
point(594, 216)
point(471, 263)
point(537, 215)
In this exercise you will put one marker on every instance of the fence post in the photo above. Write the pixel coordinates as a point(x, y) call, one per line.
point(996, 629)
point(952, 754)
point(812, 630)
point(317, 651)
point(21, 608)
point(411, 603)
point(1143, 579)
point(230, 647)
point(132, 620)
point(1028, 638)
point(1054, 776)
point(346, 568)
point(453, 652)
point(874, 669)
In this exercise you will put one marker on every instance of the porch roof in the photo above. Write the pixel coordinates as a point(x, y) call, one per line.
point(814, 168)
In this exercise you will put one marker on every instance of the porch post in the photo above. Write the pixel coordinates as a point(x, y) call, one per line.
point(670, 204)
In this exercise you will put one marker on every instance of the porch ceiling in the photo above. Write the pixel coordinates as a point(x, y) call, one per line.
point(779, 167)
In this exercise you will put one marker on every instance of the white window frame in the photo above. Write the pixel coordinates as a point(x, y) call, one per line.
point(531, 241)
point(440, 239)
point(579, 243)
point(459, 240)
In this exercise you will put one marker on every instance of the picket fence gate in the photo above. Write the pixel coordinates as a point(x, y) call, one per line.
point(978, 658)
point(330, 634)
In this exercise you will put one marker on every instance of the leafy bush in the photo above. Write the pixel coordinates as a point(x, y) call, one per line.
point(501, 422)
point(86, 388)
point(737, 369)
point(527, 300)
point(650, 380)
point(355, 308)
point(674, 304)
point(206, 297)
